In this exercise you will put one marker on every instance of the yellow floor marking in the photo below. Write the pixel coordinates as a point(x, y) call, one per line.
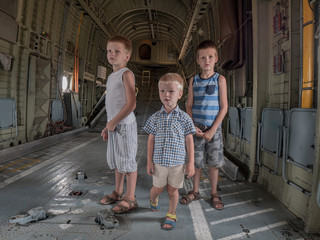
point(12, 163)
point(33, 161)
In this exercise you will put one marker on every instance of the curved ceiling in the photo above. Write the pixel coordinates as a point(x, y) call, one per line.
point(171, 20)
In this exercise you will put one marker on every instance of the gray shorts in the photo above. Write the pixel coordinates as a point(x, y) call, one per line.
point(122, 148)
point(210, 153)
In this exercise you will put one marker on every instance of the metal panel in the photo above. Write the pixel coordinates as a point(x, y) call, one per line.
point(38, 97)
point(302, 128)
point(234, 119)
point(246, 119)
point(8, 113)
point(298, 142)
point(57, 113)
point(8, 24)
point(73, 108)
point(269, 136)
point(272, 121)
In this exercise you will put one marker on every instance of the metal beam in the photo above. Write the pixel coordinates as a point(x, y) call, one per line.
point(96, 17)
point(191, 24)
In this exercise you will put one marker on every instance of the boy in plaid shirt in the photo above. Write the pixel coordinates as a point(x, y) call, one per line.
point(170, 138)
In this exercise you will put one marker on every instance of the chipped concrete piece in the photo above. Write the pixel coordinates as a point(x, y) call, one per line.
point(34, 214)
point(106, 218)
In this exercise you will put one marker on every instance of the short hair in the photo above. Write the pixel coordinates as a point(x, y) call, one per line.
point(172, 77)
point(125, 41)
point(206, 44)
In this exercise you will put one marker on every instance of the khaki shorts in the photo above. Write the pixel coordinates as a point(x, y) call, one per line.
point(174, 176)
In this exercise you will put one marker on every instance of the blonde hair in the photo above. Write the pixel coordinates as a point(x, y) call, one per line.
point(172, 77)
point(125, 41)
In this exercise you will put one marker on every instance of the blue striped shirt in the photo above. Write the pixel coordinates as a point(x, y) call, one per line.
point(205, 99)
point(170, 131)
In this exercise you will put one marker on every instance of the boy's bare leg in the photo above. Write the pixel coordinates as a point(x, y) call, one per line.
point(131, 188)
point(155, 193)
point(173, 198)
point(214, 176)
point(196, 179)
point(119, 181)
point(131, 184)
point(173, 202)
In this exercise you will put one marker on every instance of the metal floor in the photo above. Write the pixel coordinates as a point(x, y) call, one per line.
point(47, 178)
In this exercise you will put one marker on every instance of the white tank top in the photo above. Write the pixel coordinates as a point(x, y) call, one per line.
point(116, 96)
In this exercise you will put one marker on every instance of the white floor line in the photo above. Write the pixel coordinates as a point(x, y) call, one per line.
point(230, 185)
point(201, 228)
point(235, 193)
point(47, 162)
point(235, 204)
point(253, 231)
point(241, 216)
point(221, 186)
point(220, 181)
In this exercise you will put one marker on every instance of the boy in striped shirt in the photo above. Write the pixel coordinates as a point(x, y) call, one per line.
point(207, 105)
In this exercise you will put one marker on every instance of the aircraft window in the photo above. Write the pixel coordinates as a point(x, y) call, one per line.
point(145, 52)
point(66, 82)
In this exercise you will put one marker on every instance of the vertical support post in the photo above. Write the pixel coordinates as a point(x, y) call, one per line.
point(308, 55)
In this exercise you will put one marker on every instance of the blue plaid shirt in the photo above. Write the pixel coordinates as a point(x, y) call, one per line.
point(170, 131)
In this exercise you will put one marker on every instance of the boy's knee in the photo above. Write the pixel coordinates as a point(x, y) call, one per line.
point(172, 190)
point(158, 190)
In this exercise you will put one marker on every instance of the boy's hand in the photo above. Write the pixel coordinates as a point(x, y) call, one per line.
point(199, 133)
point(150, 169)
point(208, 135)
point(111, 126)
point(189, 170)
point(104, 134)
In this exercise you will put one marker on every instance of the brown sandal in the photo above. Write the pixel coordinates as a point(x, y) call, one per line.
point(186, 198)
point(132, 204)
point(109, 199)
point(216, 202)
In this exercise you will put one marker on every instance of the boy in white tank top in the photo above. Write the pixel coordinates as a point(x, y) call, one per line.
point(121, 127)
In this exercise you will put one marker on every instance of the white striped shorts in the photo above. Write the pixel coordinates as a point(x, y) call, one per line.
point(122, 148)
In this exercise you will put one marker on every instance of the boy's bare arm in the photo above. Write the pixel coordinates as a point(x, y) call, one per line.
point(189, 103)
point(190, 150)
point(150, 168)
point(223, 109)
point(129, 85)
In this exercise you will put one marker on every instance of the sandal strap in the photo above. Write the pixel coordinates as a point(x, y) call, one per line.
point(172, 216)
point(122, 207)
point(154, 204)
point(131, 203)
point(195, 194)
point(115, 194)
point(113, 197)
point(186, 198)
point(216, 196)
